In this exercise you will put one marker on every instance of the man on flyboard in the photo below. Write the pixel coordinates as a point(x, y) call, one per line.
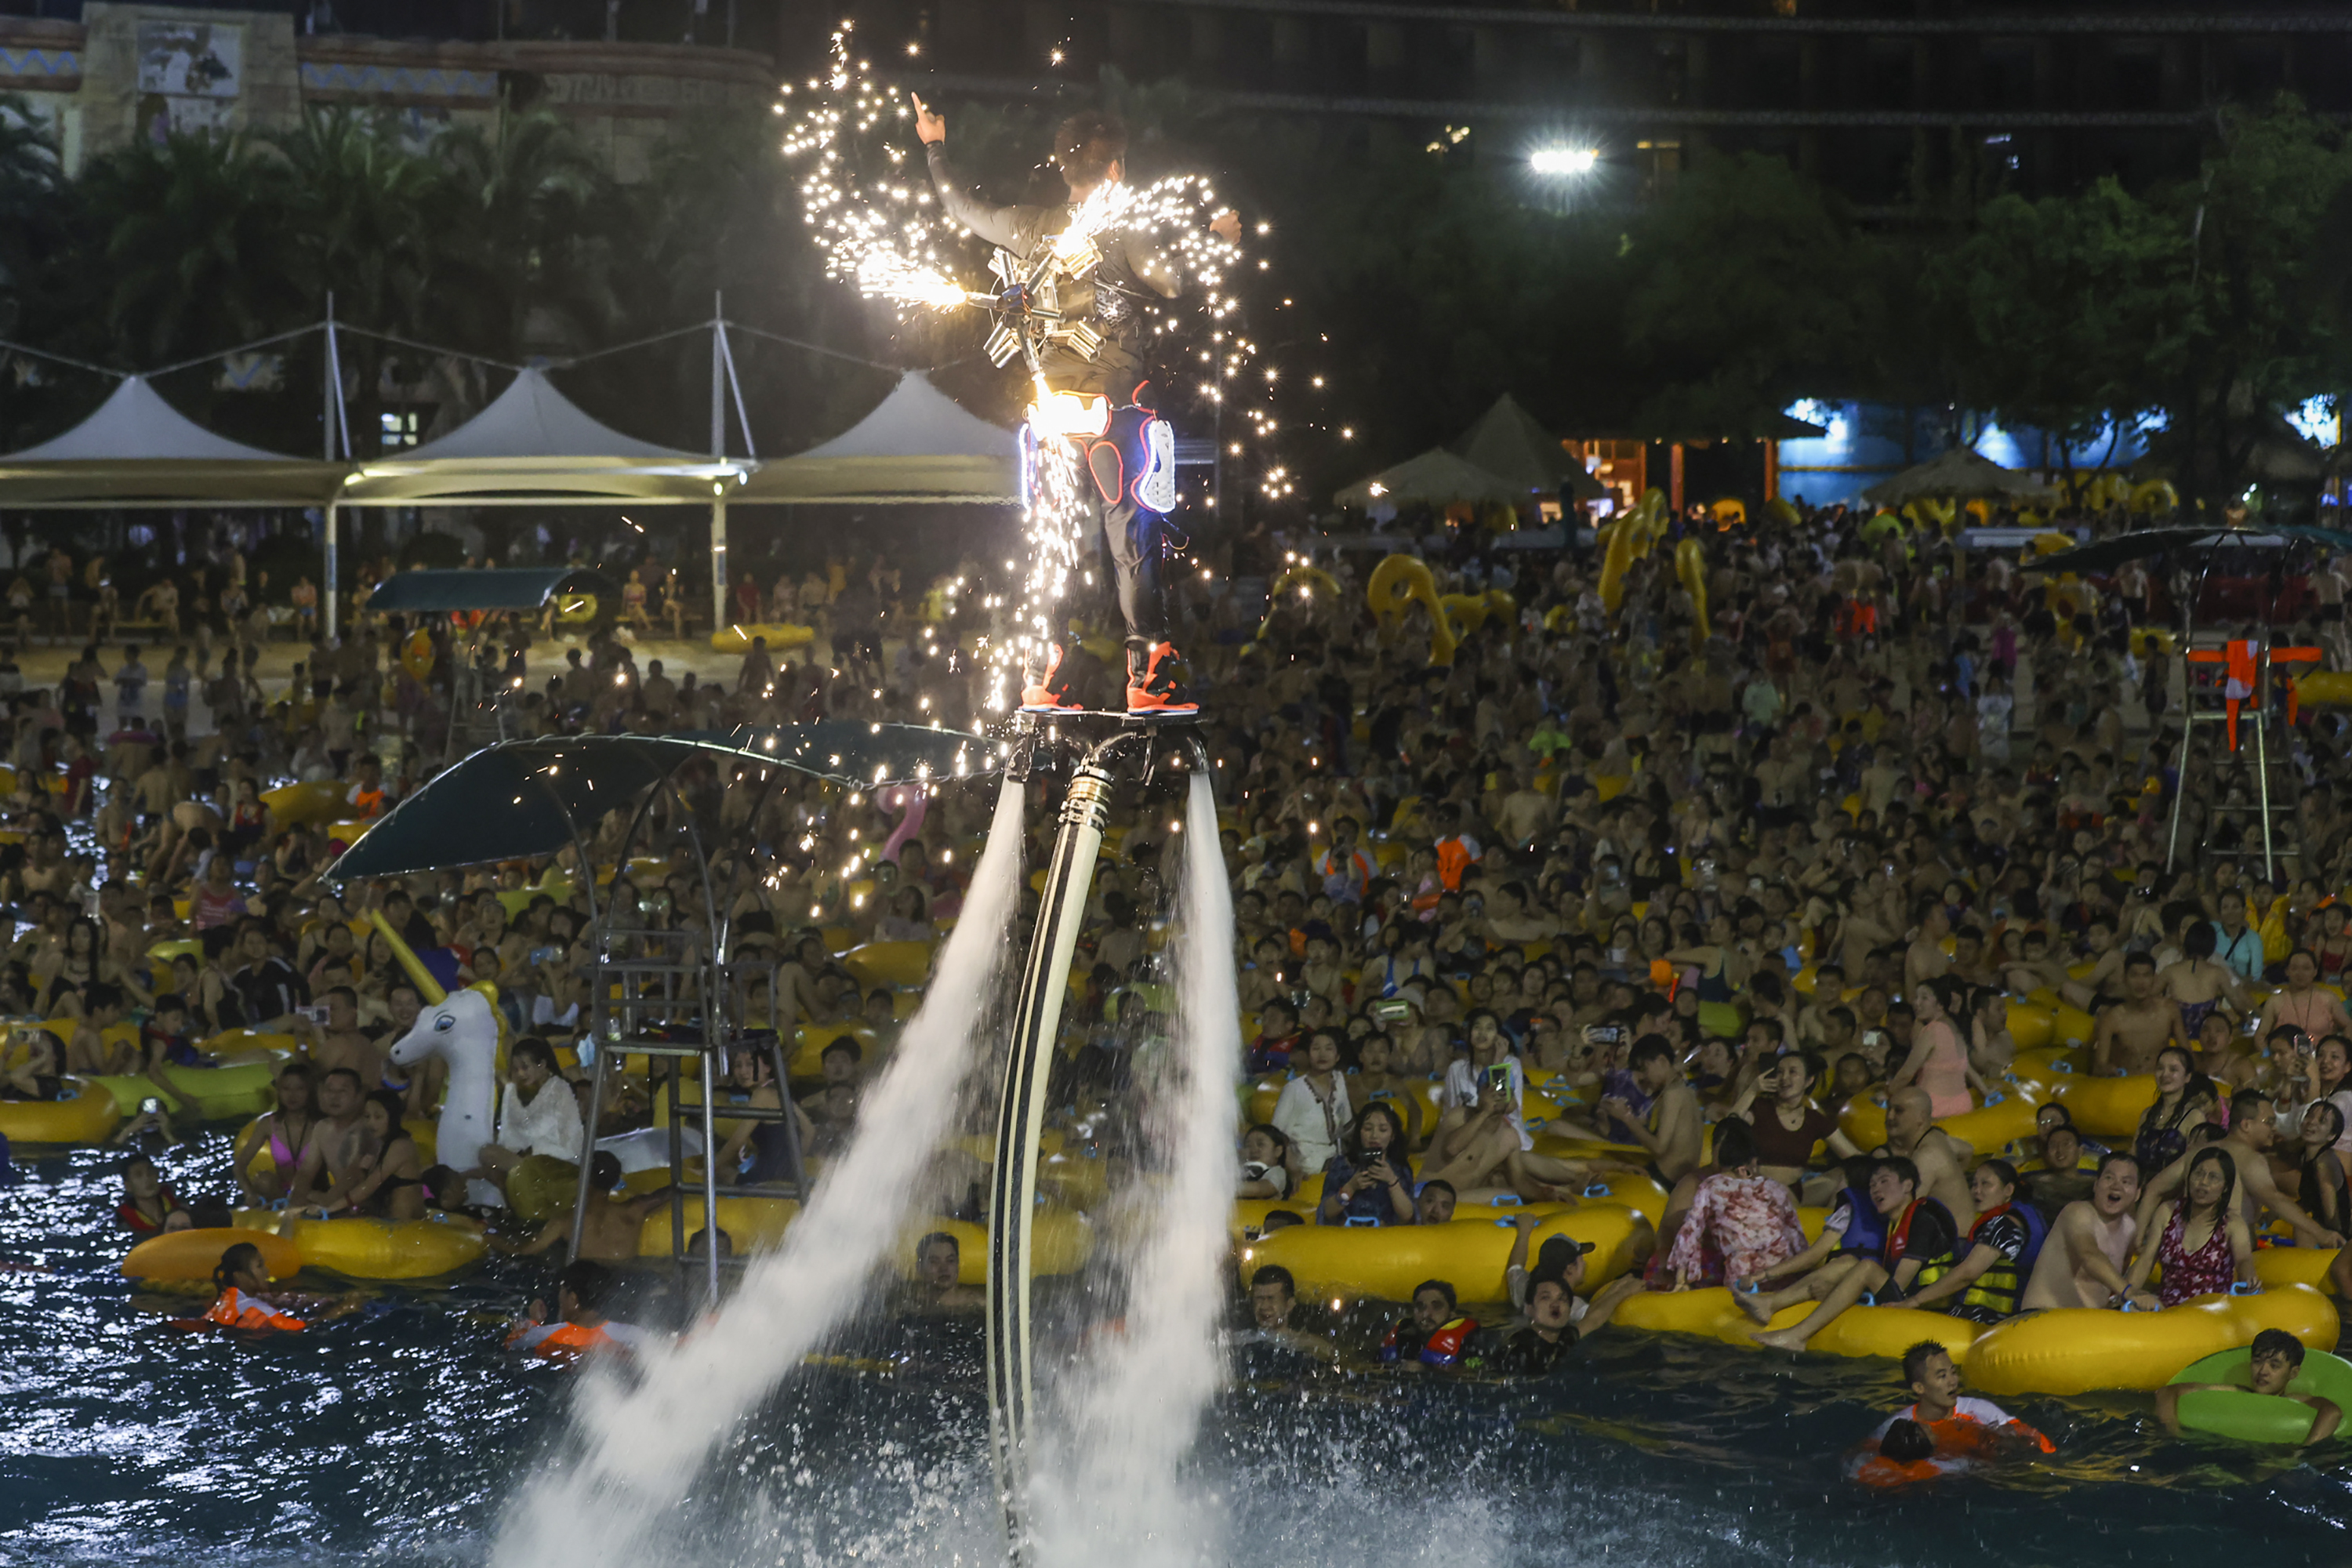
point(1090, 150)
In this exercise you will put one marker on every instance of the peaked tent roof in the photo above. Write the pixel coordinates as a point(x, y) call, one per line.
point(1962, 472)
point(918, 445)
point(1437, 477)
point(1507, 440)
point(136, 447)
point(533, 442)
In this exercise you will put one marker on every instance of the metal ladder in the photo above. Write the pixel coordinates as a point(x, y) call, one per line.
point(665, 1010)
point(2253, 786)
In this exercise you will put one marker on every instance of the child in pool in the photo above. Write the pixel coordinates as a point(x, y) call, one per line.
point(238, 1302)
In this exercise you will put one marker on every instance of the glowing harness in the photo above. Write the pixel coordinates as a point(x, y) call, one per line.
point(1129, 452)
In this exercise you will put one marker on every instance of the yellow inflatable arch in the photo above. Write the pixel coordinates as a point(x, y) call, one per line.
point(1401, 580)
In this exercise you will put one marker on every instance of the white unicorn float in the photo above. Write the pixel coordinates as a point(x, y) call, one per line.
point(464, 1029)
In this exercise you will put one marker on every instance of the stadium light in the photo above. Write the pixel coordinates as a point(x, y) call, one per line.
point(1563, 160)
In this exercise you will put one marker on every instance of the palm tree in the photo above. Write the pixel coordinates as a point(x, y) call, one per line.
point(32, 216)
point(527, 256)
point(194, 232)
point(362, 217)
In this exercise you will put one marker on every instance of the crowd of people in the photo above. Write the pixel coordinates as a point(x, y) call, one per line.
point(1690, 882)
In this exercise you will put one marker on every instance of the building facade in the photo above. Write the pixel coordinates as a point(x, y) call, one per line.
point(128, 71)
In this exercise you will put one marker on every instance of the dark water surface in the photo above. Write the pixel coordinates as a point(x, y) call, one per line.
point(397, 1433)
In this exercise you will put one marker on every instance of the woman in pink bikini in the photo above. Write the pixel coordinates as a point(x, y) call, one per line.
point(2201, 1238)
point(1938, 1060)
point(282, 1132)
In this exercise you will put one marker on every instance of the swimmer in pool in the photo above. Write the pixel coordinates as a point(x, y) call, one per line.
point(2277, 1358)
point(243, 1299)
point(1962, 1429)
point(938, 1264)
point(239, 1283)
point(579, 1324)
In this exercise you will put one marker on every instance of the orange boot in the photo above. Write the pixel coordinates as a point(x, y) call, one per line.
point(1151, 683)
point(1044, 687)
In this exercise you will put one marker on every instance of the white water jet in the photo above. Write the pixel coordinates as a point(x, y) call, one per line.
point(1112, 1485)
point(645, 1442)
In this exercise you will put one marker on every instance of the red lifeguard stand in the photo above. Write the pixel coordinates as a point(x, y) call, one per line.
point(2246, 677)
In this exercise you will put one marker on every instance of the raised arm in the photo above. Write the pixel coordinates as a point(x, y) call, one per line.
point(998, 226)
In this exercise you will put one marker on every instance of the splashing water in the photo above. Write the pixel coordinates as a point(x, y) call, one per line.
point(1115, 1491)
point(645, 1443)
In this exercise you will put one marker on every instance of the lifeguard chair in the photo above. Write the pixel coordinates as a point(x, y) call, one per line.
point(2246, 686)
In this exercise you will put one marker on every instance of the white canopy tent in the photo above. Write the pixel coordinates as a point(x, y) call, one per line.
point(918, 445)
point(137, 450)
point(534, 446)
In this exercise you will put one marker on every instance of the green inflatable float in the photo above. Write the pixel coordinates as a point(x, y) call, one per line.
point(2252, 1418)
point(211, 1094)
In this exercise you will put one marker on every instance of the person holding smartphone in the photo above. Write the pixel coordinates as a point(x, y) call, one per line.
point(1369, 1181)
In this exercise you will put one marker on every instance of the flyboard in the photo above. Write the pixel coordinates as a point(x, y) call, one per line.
point(1094, 752)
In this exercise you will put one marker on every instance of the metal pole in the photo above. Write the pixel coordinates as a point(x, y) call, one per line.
point(717, 451)
point(329, 401)
point(2263, 749)
point(327, 398)
point(334, 570)
point(717, 562)
point(1020, 1118)
point(588, 1151)
point(717, 376)
point(710, 1153)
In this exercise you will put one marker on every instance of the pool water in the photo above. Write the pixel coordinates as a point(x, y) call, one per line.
point(396, 1435)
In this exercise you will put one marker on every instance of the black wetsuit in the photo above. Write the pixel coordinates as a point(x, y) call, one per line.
point(1111, 299)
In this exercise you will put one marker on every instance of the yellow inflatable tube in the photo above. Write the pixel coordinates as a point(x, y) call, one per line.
point(737, 638)
point(1313, 576)
point(899, 964)
point(189, 1256)
point(86, 1117)
point(1400, 580)
point(299, 805)
point(1882, 1332)
point(2045, 1067)
point(1249, 1213)
point(1987, 1128)
point(2277, 1266)
point(1060, 1242)
point(361, 1249)
point(2324, 689)
point(1616, 555)
point(2106, 1107)
point(751, 1225)
point(1388, 1261)
point(1690, 566)
point(2078, 1349)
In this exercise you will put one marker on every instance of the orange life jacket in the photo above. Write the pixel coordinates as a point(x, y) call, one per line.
point(562, 1341)
point(1453, 858)
point(233, 1311)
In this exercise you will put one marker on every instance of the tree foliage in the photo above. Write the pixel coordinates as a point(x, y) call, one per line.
point(1409, 285)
